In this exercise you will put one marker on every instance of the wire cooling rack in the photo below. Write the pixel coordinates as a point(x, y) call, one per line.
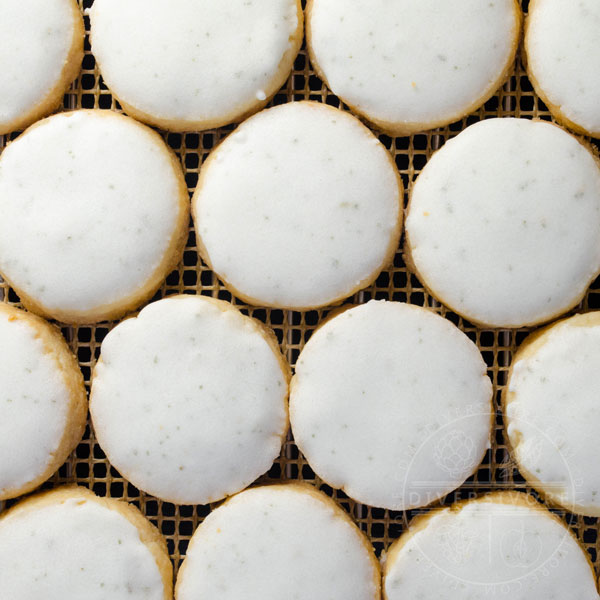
point(88, 466)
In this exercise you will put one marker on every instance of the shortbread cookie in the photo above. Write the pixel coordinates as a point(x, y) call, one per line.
point(195, 64)
point(562, 42)
point(43, 404)
point(551, 412)
point(206, 389)
point(503, 224)
point(94, 215)
point(299, 207)
point(391, 403)
point(411, 65)
point(68, 544)
point(41, 49)
point(279, 541)
point(503, 545)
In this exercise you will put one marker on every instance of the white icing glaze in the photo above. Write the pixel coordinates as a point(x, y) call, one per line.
point(35, 38)
point(391, 402)
point(553, 417)
point(504, 222)
point(189, 400)
point(298, 206)
point(89, 203)
point(34, 403)
point(193, 60)
point(276, 542)
point(563, 55)
point(72, 550)
point(490, 550)
point(413, 61)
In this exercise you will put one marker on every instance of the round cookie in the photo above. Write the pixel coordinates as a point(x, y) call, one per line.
point(41, 49)
point(300, 207)
point(189, 399)
point(502, 545)
point(95, 214)
point(279, 541)
point(551, 412)
point(43, 404)
point(391, 403)
point(562, 45)
point(195, 64)
point(412, 65)
point(503, 224)
point(68, 544)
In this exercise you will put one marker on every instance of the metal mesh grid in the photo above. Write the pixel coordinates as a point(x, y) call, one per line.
point(88, 466)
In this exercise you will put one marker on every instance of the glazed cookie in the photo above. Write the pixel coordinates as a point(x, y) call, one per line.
point(195, 64)
point(41, 49)
point(503, 224)
point(412, 65)
point(503, 545)
point(279, 541)
point(43, 404)
point(551, 412)
point(298, 208)
point(562, 43)
point(206, 388)
point(391, 403)
point(95, 214)
point(68, 544)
